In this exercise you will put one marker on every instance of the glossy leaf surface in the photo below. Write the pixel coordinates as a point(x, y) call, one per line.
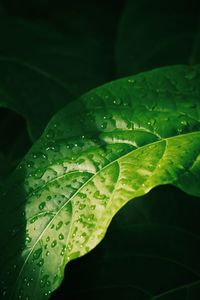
point(114, 144)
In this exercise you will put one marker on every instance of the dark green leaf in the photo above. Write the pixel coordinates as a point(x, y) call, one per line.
point(158, 33)
point(114, 144)
point(14, 141)
point(42, 69)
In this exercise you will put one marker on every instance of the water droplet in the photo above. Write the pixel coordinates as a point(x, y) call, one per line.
point(50, 134)
point(98, 195)
point(61, 236)
point(30, 164)
point(41, 262)
point(104, 125)
point(82, 195)
point(131, 81)
point(151, 122)
point(90, 217)
point(49, 198)
point(32, 220)
point(117, 101)
point(37, 253)
point(42, 205)
point(74, 232)
point(69, 247)
point(82, 206)
point(43, 281)
point(38, 174)
point(28, 239)
point(63, 250)
point(47, 253)
point(54, 243)
point(59, 225)
point(107, 116)
point(184, 123)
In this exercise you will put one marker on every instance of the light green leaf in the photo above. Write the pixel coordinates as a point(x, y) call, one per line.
point(114, 144)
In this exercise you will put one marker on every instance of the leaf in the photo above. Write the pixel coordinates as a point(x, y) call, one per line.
point(114, 144)
point(41, 69)
point(157, 33)
point(154, 242)
point(14, 141)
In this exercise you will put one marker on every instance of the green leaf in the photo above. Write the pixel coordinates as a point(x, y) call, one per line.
point(114, 144)
point(42, 69)
point(157, 33)
point(14, 141)
point(154, 241)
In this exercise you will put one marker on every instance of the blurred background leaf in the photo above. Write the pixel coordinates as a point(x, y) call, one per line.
point(50, 58)
point(14, 141)
point(158, 33)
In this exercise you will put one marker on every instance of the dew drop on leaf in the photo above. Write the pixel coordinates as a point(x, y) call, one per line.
point(41, 262)
point(42, 205)
point(50, 134)
point(82, 206)
point(28, 239)
point(37, 253)
point(97, 195)
point(104, 125)
point(61, 236)
point(82, 195)
point(131, 81)
point(54, 243)
point(59, 225)
point(38, 174)
point(63, 251)
point(32, 220)
point(117, 101)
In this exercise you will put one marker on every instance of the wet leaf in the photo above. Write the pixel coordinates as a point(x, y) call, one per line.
point(114, 144)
